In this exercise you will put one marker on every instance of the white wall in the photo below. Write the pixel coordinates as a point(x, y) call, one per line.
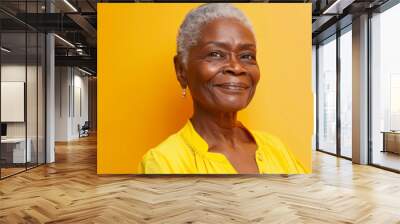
point(80, 84)
point(12, 73)
point(62, 81)
point(71, 94)
point(33, 127)
point(16, 73)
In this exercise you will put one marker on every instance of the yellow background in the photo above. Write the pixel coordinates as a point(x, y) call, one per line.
point(139, 99)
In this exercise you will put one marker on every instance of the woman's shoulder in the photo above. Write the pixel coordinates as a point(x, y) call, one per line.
point(173, 144)
point(170, 156)
point(158, 159)
point(276, 150)
point(169, 147)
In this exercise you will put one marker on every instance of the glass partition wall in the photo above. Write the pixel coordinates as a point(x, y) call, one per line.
point(13, 90)
point(22, 88)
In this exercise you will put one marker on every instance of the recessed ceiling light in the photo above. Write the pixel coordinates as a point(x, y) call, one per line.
point(338, 6)
point(84, 71)
point(70, 5)
point(64, 40)
point(5, 50)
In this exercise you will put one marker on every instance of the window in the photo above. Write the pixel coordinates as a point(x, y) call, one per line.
point(346, 93)
point(395, 102)
point(327, 95)
point(385, 88)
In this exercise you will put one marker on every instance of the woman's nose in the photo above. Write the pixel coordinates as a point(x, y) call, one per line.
point(234, 67)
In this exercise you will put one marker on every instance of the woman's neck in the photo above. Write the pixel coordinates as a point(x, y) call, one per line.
point(216, 126)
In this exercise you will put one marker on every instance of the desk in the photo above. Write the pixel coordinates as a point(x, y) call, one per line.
point(13, 150)
point(391, 141)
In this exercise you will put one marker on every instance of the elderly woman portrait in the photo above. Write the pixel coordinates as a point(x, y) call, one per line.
point(216, 61)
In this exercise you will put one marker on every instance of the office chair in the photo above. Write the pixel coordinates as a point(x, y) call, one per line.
point(84, 130)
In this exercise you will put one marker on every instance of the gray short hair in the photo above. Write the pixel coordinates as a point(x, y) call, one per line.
point(189, 30)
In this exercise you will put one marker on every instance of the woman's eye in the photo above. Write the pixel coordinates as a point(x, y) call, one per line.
point(248, 57)
point(216, 54)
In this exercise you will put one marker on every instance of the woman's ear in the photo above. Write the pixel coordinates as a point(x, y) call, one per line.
point(180, 72)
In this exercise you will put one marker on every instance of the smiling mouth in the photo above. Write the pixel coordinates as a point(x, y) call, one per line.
point(232, 86)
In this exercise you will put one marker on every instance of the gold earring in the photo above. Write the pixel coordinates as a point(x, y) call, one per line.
point(183, 92)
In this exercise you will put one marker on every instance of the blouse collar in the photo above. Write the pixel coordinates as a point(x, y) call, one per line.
point(193, 139)
point(196, 142)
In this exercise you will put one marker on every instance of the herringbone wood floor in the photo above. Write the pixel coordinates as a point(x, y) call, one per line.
point(69, 191)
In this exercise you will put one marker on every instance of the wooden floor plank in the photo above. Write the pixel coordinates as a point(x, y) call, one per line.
point(70, 191)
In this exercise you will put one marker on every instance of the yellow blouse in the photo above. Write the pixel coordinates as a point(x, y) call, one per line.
point(186, 152)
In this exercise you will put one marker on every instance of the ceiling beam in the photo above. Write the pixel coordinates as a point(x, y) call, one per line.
point(84, 24)
point(83, 61)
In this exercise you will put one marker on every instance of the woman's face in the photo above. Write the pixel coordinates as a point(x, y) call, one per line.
point(222, 71)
